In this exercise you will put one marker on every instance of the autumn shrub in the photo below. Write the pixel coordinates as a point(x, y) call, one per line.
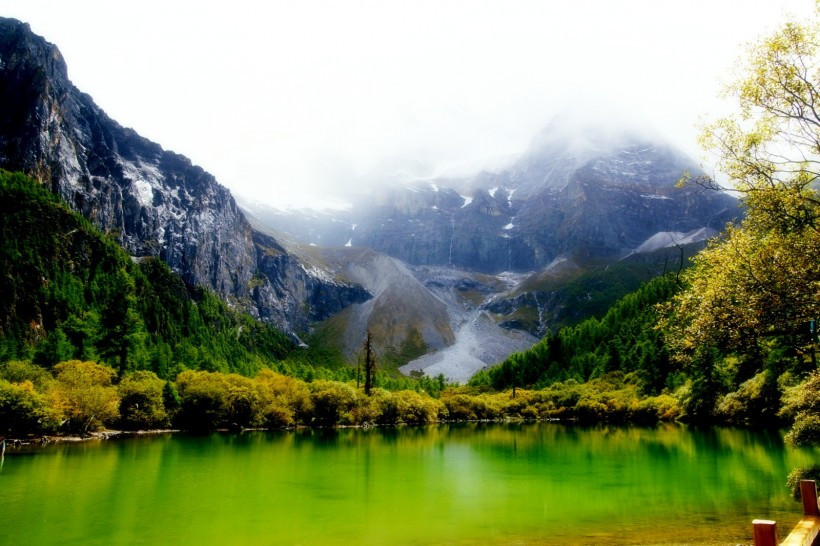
point(465, 407)
point(244, 402)
point(18, 371)
point(203, 400)
point(542, 406)
point(368, 409)
point(274, 410)
point(515, 408)
point(460, 407)
point(488, 407)
point(416, 409)
point(619, 404)
point(801, 473)
point(563, 396)
point(802, 398)
point(24, 411)
point(287, 399)
point(756, 401)
point(276, 415)
point(801, 403)
point(84, 394)
point(381, 407)
point(656, 408)
point(526, 405)
point(333, 403)
point(805, 431)
point(590, 410)
point(142, 402)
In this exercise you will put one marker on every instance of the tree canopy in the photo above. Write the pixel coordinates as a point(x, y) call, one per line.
point(754, 292)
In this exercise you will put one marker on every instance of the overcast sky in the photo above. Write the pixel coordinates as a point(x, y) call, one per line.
point(276, 98)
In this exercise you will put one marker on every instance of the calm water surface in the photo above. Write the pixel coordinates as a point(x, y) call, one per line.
point(541, 483)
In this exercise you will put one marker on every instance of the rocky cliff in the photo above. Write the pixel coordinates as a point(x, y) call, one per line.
point(155, 202)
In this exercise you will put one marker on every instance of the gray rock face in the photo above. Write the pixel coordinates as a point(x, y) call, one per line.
point(290, 291)
point(599, 204)
point(154, 201)
point(404, 316)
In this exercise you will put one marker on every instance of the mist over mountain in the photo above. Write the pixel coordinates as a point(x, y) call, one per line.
point(582, 191)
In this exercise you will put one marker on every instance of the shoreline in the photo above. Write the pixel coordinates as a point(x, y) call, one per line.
point(113, 434)
point(74, 438)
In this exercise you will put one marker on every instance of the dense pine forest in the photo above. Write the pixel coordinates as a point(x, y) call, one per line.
point(623, 340)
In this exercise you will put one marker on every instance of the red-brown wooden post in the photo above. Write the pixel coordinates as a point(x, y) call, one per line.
point(765, 532)
point(808, 491)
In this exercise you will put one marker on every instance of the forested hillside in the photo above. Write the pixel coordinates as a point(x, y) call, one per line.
point(68, 292)
point(623, 340)
point(90, 337)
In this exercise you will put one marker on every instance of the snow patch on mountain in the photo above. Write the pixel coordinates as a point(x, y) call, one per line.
point(509, 197)
point(145, 178)
point(655, 196)
point(666, 239)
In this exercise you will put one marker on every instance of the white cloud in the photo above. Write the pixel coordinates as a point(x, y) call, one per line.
point(280, 97)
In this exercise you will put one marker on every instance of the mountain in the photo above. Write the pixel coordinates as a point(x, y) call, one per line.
point(450, 274)
point(429, 319)
point(596, 198)
point(155, 202)
point(587, 192)
point(585, 215)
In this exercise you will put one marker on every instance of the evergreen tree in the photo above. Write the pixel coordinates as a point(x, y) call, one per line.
point(369, 364)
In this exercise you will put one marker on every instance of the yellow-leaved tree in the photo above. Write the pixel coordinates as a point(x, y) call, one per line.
point(745, 321)
point(85, 395)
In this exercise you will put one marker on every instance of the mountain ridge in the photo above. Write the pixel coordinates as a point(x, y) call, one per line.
point(559, 199)
point(156, 202)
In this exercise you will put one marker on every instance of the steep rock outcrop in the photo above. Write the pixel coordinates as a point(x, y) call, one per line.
point(291, 289)
point(405, 317)
point(155, 202)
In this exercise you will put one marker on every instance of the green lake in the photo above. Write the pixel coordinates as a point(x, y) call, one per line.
point(535, 483)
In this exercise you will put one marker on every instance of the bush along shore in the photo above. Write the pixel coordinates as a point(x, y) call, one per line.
point(80, 398)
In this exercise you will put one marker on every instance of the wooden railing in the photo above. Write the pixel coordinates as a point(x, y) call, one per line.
point(806, 531)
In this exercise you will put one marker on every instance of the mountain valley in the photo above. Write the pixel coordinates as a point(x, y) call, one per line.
point(450, 275)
